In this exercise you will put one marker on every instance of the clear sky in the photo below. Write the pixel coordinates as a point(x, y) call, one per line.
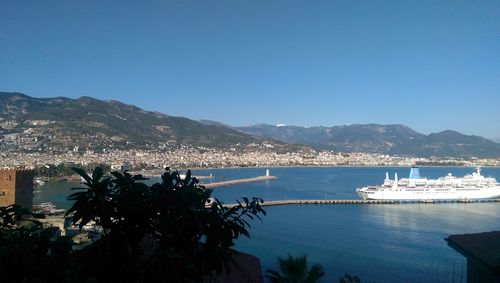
point(431, 65)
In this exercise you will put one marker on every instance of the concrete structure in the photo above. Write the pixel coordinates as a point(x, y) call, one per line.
point(358, 201)
point(237, 182)
point(16, 187)
point(482, 251)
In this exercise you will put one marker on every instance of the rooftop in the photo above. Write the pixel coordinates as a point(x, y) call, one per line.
point(483, 247)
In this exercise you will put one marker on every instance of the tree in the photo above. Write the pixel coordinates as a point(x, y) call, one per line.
point(170, 230)
point(295, 270)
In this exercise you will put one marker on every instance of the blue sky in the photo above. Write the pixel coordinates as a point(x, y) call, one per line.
point(431, 65)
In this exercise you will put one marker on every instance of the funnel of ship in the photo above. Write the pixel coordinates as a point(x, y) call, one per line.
point(414, 173)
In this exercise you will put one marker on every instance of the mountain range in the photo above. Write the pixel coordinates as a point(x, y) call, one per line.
point(375, 138)
point(86, 122)
point(91, 123)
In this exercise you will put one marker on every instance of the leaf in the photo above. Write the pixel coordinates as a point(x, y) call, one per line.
point(79, 188)
point(97, 174)
point(187, 179)
point(77, 195)
point(245, 199)
point(117, 175)
point(83, 174)
point(245, 232)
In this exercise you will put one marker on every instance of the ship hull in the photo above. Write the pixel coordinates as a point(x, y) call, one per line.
point(429, 193)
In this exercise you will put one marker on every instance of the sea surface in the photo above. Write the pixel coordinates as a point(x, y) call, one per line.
point(376, 242)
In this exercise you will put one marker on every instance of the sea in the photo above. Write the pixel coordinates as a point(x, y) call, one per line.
point(376, 242)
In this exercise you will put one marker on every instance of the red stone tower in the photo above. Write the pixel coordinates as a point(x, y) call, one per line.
point(16, 187)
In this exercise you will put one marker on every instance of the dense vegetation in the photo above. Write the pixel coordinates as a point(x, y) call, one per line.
point(63, 169)
point(171, 231)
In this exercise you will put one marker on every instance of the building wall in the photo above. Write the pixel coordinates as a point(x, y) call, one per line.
point(16, 187)
point(7, 187)
point(24, 188)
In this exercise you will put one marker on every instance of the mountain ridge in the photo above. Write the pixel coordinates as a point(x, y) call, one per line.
point(88, 122)
point(396, 139)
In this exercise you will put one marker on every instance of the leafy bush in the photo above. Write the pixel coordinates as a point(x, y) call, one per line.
point(27, 250)
point(171, 231)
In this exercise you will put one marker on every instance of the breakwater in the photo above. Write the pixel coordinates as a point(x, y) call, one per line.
point(237, 182)
point(361, 201)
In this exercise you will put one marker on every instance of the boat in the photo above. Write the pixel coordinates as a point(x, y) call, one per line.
point(46, 208)
point(469, 187)
point(38, 181)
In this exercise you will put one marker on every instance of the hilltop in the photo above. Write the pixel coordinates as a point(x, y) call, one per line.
point(86, 123)
point(89, 123)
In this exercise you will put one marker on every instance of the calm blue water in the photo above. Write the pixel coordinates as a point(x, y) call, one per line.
point(382, 243)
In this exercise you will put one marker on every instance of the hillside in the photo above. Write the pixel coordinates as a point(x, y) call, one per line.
point(61, 123)
point(374, 138)
point(40, 123)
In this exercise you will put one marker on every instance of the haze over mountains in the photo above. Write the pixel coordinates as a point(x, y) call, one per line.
point(91, 123)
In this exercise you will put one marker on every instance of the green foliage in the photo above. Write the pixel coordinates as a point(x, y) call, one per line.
point(27, 250)
point(51, 170)
point(63, 169)
point(295, 270)
point(169, 230)
point(172, 231)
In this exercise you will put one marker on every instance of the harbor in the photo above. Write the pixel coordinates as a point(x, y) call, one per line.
point(319, 206)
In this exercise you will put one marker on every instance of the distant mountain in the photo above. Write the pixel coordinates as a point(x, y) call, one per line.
point(87, 123)
point(213, 123)
point(374, 138)
point(39, 123)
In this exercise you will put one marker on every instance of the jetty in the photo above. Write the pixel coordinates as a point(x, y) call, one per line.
point(237, 182)
point(361, 201)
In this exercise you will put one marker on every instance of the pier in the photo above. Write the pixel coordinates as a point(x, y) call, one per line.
point(238, 181)
point(361, 201)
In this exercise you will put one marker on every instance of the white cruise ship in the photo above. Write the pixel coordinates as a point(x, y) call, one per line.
point(468, 187)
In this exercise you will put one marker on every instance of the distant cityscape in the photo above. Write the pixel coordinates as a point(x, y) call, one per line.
point(183, 157)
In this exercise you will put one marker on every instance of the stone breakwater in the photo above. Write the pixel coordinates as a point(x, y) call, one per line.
point(237, 182)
